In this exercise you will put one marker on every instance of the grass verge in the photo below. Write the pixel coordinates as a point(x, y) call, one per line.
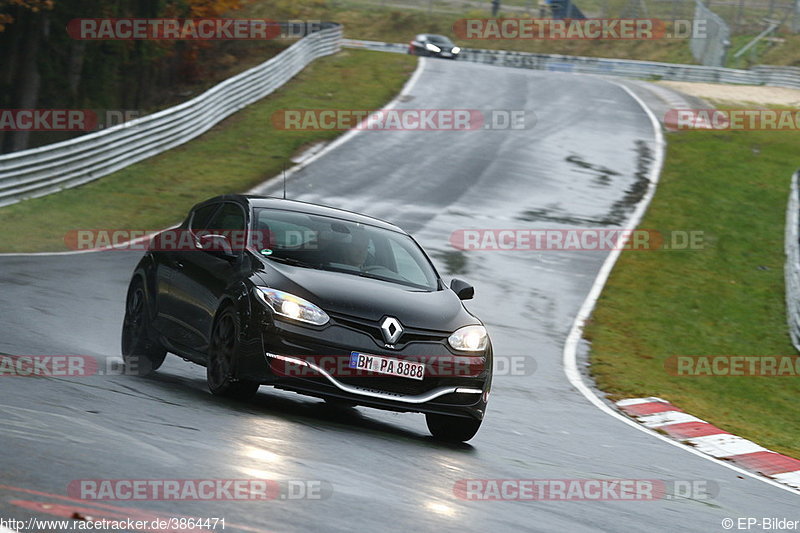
point(237, 154)
point(372, 21)
point(724, 299)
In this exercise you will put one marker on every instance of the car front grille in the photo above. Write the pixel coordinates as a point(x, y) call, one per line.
point(373, 330)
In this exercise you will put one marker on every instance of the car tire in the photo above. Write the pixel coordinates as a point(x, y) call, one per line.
point(142, 354)
point(452, 428)
point(223, 352)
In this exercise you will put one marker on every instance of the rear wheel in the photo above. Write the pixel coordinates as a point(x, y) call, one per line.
point(452, 428)
point(141, 354)
point(222, 353)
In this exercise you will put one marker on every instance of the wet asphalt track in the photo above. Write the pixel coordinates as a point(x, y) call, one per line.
point(590, 145)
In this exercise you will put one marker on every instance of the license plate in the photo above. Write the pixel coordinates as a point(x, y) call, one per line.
point(446, 54)
point(388, 366)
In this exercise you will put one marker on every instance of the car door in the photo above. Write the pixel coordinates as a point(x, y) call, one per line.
point(203, 277)
point(169, 266)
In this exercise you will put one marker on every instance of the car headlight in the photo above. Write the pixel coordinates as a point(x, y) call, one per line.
point(469, 339)
point(432, 47)
point(291, 306)
point(456, 49)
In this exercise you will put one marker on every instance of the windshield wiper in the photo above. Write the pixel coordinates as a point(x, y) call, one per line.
point(291, 261)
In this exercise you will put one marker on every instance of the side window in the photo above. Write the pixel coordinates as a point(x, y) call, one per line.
point(229, 217)
point(201, 217)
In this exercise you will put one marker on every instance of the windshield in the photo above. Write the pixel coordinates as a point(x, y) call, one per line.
point(439, 39)
point(327, 243)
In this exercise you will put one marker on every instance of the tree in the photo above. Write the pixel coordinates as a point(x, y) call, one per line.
point(28, 23)
point(41, 66)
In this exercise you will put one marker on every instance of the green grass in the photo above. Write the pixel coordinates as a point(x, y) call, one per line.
point(765, 52)
point(393, 24)
point(237, 154)
point(725, 299)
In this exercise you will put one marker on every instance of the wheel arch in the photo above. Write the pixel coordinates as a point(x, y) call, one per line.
point(238, 298)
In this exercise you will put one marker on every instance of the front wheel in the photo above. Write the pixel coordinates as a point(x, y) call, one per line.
point(452, 428)
point(222, 353)
point(141, 354)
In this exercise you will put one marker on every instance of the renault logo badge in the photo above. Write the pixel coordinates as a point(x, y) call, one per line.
point(391, 329)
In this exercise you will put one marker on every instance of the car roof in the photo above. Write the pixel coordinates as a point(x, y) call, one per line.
point(272, 202)
point(429, 35)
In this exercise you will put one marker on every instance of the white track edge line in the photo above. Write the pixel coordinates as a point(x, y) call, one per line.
point(571, 343)
point(349, 134)
point(570, 353)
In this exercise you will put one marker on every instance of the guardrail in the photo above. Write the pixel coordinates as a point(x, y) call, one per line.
point(629, 68)
point(791, 270)
point(51, 168)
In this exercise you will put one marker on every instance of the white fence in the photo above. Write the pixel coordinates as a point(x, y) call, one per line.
point(629, 68)
point(51, 168)
point(791, 270)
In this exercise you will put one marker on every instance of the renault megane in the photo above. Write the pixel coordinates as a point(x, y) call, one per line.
point(311, 299)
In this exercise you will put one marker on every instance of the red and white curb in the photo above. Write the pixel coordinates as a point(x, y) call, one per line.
point(661, 415)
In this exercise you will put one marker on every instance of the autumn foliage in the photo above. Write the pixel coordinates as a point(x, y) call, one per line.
point(40, 65)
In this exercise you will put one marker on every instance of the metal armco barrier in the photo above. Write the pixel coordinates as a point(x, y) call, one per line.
point(629, 68)
point(791, 270)
point(51, 168)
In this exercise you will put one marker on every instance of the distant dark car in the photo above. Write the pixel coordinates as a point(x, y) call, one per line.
point(315, 300)
point(431, 45)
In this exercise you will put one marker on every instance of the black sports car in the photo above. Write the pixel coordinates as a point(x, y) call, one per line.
point(427, 44)
point(311, 299)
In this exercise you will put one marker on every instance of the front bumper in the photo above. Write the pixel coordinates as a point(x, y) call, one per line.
point(444, 54)
point(314, 362)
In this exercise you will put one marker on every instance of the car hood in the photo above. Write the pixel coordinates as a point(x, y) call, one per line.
point(369, 299)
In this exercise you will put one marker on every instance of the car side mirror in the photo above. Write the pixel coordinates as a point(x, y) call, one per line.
point(463, 290)
point(217, 245)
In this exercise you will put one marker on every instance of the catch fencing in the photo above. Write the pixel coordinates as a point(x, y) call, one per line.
point(792, 267)
point(628, 68)
point(710, 49)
